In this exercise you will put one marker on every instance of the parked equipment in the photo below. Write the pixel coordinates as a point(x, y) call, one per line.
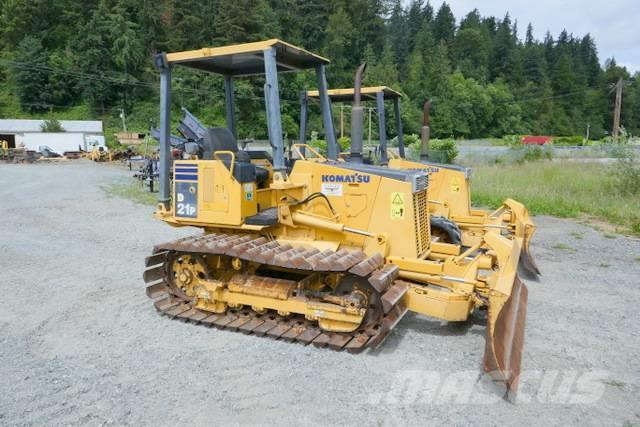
point(379, 94)
point(453, 220)
point(48, 153)
point(98, 154)
point(450, 201)
point(16, 155)
point(320, 250)
point(190, 143)
point(148, 173)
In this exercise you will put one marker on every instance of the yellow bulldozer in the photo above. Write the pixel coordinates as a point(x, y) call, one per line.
point(316, 250)
point(98, 153)
point(453, 219)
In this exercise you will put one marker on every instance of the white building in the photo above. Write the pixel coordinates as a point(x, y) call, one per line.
point(79, 134)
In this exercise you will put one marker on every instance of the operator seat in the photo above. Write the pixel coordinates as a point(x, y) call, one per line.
point(221, 139)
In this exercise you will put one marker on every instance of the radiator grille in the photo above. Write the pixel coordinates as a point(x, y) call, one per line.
point(421, 218)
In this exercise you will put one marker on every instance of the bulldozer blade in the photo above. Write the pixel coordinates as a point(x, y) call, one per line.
point(505, 338)
point(527, 266)
point(524, 229)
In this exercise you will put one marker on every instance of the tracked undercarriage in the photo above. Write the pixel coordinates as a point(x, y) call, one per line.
point(338, 299)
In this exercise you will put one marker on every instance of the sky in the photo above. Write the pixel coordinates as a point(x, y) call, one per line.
point(615, 24)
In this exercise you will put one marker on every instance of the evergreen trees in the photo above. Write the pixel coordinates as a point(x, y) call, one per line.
point(482, 77)
point(30, 79)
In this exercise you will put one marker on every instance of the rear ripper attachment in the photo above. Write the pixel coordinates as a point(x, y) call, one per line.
point(246, 283)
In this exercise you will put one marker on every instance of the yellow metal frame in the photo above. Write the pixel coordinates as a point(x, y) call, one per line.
point(349, 92)
point(254, 47)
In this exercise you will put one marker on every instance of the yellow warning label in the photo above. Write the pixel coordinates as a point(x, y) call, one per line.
point(397, 205)
point(455, 185)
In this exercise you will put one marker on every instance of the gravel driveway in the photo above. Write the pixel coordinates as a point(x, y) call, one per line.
point(81, 344)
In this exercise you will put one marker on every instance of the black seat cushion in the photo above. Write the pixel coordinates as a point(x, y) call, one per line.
point(221, 139)
point(262, 175)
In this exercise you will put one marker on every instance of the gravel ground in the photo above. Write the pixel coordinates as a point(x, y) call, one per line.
point(81, 344)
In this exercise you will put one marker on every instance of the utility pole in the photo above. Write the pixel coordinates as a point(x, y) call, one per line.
point(370, 109)
point(341, 121)
point(124, 120)
point(618, 105)
point(588, 131)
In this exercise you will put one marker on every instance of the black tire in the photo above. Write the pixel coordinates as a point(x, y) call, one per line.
point(448, 230)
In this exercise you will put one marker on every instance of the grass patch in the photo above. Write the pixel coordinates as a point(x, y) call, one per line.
point(615, 383)
point(577, 235)
point(604, 265)
point(132, 191)
point(563, 189)
point(563, 247)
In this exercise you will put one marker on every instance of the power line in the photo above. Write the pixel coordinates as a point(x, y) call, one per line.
point(131, 81)
point(120, 81)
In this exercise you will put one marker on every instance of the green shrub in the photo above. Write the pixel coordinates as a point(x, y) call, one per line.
point(569, 140)
point(409, 140)
point(319, 144)
point(512, 140)
point(440, 150)
point(443, 150)
point(627, 171)
point(533, 154)
point(344, 143)
point(52, 125)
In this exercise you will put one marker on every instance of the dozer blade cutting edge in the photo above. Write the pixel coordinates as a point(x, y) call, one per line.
point(506, 315)
point(505, 337)
point(526, 265)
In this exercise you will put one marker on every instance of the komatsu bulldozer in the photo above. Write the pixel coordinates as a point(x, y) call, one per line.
point(315, 250)
point(453, 219)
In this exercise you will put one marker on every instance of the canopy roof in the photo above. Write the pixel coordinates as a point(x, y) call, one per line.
point(246, 59)
point(366, 93)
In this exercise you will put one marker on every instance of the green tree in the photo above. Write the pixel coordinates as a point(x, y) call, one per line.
point(384, 72)
point(62, 85)
point(504, 51)
point(338, 42)
point(444, 26)
point(30, 74)
point(472, 50)
point(52, 125)
point(241, 21)
point(399, 35)
point(506, 116)
point(92, 45)
point(313, 17)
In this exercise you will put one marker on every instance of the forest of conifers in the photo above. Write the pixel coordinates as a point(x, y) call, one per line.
point(487, 76)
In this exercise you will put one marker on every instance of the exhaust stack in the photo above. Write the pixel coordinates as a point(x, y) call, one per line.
point(425, 133)
point(357, 118)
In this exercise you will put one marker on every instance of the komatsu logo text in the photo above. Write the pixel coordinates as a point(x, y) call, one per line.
point(355, 178)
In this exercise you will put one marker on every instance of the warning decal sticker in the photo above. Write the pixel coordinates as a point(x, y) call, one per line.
point(331, 189)
point(455, 185)
point(397, 205)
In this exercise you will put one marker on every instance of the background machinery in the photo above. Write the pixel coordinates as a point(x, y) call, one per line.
point(453, 219)
point(304, 252)
point(379, 94)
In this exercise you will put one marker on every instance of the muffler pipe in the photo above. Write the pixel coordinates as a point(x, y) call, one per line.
point(425, 133)
point(357, 118)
